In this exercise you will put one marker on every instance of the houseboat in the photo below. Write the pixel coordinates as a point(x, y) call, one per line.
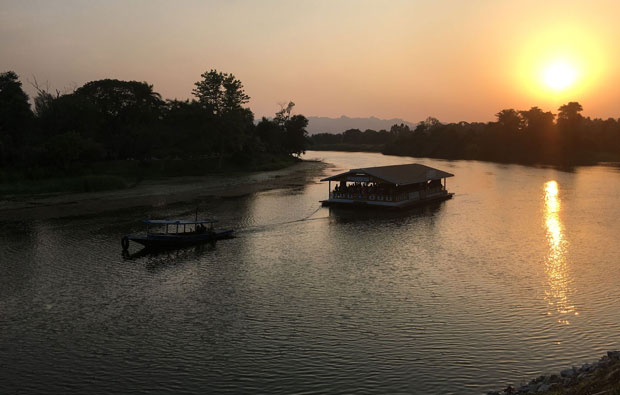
point(397, 186)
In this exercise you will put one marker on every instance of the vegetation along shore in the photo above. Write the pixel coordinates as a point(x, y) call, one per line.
point(112, 134)
point(530, 137)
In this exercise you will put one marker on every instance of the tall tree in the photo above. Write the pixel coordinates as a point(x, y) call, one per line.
point(570, 125)
point(15, 118)
point(284, 114)
point(122, 98)
point(220, 92)
point(127, 111)
point(510, 120)
point(296, 134)
point(424, 126)
point(271, 134)
point(570, 112)
point(536, 120)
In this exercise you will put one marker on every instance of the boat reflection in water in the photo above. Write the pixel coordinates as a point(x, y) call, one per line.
point(556, 267)
point(167, 253)
point(353, 214)
point(161, 259)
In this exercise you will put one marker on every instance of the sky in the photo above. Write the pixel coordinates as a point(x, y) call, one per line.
point(454, 60)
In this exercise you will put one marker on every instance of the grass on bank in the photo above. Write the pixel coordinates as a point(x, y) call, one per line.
point(116, 175)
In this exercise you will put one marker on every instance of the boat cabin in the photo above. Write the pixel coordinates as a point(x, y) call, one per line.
point(178, 227)
point(397, 186)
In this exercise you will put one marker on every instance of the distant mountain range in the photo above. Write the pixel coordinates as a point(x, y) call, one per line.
point(339, 125)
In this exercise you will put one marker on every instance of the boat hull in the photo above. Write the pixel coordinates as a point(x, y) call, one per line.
point(166, 241)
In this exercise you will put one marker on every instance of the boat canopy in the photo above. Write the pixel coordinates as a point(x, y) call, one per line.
point(396, 174)
point(178, 222)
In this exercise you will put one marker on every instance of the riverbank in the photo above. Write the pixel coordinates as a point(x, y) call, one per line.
point(155, 192)
point(597, 378)
point(122, 174)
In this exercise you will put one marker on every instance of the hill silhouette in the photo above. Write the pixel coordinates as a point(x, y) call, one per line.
point(338, 125)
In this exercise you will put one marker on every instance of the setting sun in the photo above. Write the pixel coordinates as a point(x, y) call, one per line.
point(559, 75)
point(562, 62)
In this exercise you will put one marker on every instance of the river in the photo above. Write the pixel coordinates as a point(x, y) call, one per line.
point(516, 276)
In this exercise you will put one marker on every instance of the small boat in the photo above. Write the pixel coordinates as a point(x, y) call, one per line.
point(178, 233)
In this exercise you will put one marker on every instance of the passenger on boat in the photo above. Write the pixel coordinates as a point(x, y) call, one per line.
point(365, 190)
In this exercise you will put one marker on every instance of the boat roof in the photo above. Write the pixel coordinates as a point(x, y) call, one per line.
point(178, 222)
point(412, 173)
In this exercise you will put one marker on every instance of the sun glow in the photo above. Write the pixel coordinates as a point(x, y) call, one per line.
point(560, 63)
point(559, 75)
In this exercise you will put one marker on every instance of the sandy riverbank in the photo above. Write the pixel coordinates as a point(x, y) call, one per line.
point(156, 193)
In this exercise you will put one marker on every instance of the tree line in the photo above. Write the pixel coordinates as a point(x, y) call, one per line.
point(109, 120)
point(529, 136)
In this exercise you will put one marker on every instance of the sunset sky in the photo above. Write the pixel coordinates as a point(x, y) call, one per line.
point(454, 60)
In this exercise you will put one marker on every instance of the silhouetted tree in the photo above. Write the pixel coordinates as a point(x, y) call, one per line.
point(220, 92)
point(43, 99)
point(296, 136)
point(111, 119)
point(570, 112)
point(400, 131)
point(528, 136)
point(186, 131)
point(326, 138)
point(536, 120)
point(271, 135)
point(285, 132)
point(570, 126)
point(127, 111)
point(284, 114)
point(15, 119)
point(426, 125)
point(371, 138)
point(352, 136)
point(510, 120)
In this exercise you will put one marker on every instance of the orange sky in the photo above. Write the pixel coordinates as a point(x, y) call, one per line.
point(454, 60)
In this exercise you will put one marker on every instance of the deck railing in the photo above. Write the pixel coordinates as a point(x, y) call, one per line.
point(398, 197)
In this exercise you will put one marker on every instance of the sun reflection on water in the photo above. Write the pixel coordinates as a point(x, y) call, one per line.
point(555, 264)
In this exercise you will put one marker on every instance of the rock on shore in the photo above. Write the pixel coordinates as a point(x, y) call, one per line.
point(599, 378)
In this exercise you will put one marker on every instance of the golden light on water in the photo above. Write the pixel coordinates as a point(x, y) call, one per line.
point(555, 264)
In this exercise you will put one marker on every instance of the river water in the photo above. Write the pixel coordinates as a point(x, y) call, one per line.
point(516, 276)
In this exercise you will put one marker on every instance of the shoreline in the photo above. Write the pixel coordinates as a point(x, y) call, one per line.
point(157, 193)
point(591, 162)
point(597, 378)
